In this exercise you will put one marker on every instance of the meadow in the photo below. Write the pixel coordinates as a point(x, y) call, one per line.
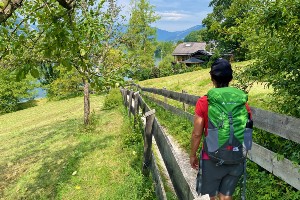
point(198, 83)
point(47, 153)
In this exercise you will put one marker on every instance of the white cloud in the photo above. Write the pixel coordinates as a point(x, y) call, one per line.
point(172, 16)
point(176, 15)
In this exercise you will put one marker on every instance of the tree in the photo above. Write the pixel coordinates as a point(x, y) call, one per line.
point(7, 7)
point(219, 24)
point(80, 37)
point(12, 92)
point(268, 32)
point(272, 33)
point(195, 36)
point(165, 66)
point(84, 40)
point(140, 36)
point(67, 84)
point(164, 49)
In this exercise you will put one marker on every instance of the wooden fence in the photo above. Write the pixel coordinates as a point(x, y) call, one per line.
point(183, 189)
point(281, 125)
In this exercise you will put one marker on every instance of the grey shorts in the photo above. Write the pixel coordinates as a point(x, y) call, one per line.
point(220, 179)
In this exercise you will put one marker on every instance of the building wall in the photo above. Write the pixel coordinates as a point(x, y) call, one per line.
point(181, 58)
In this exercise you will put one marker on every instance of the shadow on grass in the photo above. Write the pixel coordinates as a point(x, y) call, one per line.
point(57, 166)
point(60, 166)
point(27, 104)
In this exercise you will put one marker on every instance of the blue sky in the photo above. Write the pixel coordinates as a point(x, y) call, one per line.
point(177, 15)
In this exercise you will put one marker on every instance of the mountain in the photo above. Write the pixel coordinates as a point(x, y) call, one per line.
point(163, 35)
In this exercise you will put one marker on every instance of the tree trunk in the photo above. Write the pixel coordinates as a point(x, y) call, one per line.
point(9, 6)
point(86, 101)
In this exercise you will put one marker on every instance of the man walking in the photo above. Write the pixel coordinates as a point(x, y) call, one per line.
point(222, 116)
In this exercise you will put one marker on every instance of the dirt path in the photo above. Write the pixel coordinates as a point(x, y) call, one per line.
point(182, 159)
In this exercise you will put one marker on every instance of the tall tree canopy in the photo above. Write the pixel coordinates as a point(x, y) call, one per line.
point(272, 32)
point(267, 32)
point(140, 36)
point(219, 24)
point(82, 37)
point(7, 7)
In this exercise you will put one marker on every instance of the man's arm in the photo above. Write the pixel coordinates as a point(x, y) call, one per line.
point(195, 140)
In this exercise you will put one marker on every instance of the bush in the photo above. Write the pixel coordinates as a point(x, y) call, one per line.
point(67, 85)
point(113, 99)
point(12, 92)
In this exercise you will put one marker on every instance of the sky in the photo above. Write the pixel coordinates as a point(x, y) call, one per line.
point(176, 15)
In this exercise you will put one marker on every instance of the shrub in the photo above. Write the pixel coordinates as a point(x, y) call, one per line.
point(67, 85)
point(12, 92)
point(113, 99)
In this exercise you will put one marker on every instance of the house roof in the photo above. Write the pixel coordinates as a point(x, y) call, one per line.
point(187, 48)
point(202, 52)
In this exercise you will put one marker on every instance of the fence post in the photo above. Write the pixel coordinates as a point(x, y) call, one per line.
point(136, 103)
point(185, 106)
point(165, 98)
point(148, 141)
point(126, 97)
point(121, 90)
point(136, 107)
point(130, 103)
point(124, 93)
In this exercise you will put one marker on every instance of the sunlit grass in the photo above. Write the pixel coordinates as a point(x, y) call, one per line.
point(198, 83)
point(46, 153)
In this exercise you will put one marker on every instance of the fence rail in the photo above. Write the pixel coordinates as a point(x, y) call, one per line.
point(281, 125)
point(182, 187)
point(284, 126)
point(182, 97)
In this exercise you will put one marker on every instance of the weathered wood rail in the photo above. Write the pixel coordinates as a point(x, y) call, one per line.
point(284, 126)
point(182, 188)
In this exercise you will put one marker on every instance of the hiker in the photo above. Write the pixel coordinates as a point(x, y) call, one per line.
point(220, 175)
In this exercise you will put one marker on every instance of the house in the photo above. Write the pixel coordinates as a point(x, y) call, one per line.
point(191, 53)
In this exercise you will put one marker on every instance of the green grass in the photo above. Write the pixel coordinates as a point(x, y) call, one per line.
point(198, 83)
point(188, 81)
point(179, 127)
point(46, 153)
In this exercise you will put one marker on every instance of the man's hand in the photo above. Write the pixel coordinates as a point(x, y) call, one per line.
point(194, 162)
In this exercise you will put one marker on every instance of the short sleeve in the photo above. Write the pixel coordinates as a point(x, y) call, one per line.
point(249, 110)
point(201, 107)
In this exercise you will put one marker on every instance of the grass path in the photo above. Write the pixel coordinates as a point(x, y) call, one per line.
point(47, 154)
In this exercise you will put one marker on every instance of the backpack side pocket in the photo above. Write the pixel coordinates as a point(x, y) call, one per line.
point(248, 138)
point(212, 139)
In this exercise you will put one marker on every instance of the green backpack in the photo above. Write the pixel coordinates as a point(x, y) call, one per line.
point(229, 126)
